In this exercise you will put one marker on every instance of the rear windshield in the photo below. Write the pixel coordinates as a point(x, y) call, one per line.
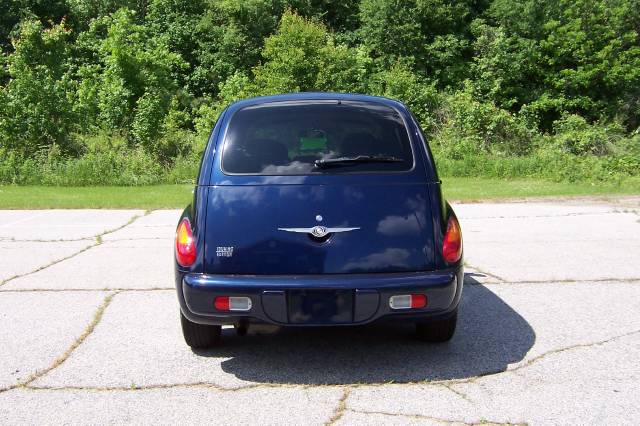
point(292, 138)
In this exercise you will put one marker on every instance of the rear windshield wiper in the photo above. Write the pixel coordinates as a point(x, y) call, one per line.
point(347, 161)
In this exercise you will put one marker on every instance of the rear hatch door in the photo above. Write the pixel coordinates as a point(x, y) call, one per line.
point(244, 232)
point(336, 163)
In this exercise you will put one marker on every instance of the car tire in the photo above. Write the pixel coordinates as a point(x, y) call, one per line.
point(437, 331)
point(200, 336)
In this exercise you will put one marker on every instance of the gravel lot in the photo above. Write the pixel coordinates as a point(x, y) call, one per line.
point(549, 330)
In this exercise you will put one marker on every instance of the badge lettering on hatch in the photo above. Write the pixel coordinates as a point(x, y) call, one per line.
point(224, 251)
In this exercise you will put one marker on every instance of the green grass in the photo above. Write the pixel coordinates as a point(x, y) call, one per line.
point(178, 196)
point(469, 189)
point(95, 197)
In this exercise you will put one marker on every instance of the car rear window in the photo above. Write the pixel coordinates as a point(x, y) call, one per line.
point(293, 138)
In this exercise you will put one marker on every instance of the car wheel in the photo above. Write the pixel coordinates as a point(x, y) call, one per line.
point(200, 336)
point(437, 331)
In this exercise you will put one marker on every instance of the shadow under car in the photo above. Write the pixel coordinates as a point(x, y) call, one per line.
point(490, 336)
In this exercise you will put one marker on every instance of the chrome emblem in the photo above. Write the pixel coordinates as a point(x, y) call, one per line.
point(318, 218)
point(319, 231)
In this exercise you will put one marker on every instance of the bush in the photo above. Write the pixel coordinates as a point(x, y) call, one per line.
point(401, 83)
point(184, 170)
point(132, 84)
point(106, 160)
point(574, 135)
point(36, 106)
point(470, 127)
point(178, 143)
point(545, 164)
point(302, 56)
point(126, 167)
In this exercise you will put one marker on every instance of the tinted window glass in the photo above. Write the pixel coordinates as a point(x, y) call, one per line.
point(288, 138)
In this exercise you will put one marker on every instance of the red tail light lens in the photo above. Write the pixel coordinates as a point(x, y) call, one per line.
point(185, 244)
point(452, 244)
point(221, 303)
point(232, 303)
point(418, 301)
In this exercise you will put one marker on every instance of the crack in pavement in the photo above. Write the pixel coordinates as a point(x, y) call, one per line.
point(532, 361)
point(38, 240)
point(457, 392)
point(571, 347)
point(40, 268)
point(561, 281)
point(503, 281)
point(172, 288)
point(347, 387)
point(97, 316)
point(613, 199)
point(436, 419)
point(466, 219)
point(58, 290)
point(142, 239)
point(135, 388)
point(205, 385)
point(489, 274)
point(92, 238)
point(340, 409)
point(97, 242)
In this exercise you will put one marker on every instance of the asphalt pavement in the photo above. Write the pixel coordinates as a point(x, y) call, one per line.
point(548, 333)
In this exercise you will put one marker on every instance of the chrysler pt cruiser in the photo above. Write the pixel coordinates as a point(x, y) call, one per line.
point(317, 209)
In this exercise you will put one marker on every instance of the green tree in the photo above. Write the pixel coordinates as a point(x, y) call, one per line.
point(548, 57)
point(14, 11)
point(430, 33)
point(401, 83)
point(132, 84)
point(84, 11)
point(303, 56)
point(232, 36)
point(340, 16)
point(468, 127)
point(36, 110)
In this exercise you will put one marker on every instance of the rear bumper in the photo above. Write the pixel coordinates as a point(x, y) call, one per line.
point(270, 295)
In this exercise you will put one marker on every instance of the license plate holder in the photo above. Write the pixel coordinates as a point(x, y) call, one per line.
point(320, 306)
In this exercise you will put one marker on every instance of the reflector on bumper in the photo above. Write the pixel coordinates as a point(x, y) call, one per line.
point(408, 301)
point(232, 303)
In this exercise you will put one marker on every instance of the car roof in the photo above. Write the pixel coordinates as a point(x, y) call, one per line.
point(315, 96)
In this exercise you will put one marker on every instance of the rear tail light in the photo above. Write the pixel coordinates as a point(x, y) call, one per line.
point(452, 243)
point(185, 244)
point(232, 303)
point(408, 301)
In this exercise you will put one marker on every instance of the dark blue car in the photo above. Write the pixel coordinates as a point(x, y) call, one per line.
point(317, 209)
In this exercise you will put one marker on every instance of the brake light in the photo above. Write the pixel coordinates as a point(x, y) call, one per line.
point(185, 244)
point(452, 243)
